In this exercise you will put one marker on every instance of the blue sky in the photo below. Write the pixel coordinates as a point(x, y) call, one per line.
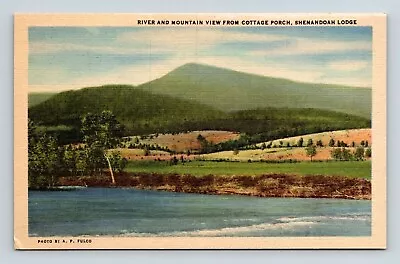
point(64, 58)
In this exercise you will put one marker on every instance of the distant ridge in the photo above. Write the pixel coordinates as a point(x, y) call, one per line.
point(38, 97)
point(138, 110)
point(229, 90)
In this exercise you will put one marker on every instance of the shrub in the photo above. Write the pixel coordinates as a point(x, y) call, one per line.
point(368, 153)
point(359, 153)
point(300, 142)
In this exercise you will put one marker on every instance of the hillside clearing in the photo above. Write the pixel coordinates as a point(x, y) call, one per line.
point(347, 136)
point(187, 141)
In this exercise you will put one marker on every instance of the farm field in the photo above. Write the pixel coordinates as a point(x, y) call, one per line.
point(347, 136)
point(187, 141)
point(353, 169)
point(276, 154)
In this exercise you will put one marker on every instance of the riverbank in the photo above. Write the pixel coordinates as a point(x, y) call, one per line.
point(268, 185)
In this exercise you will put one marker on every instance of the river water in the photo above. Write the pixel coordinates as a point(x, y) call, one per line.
point(131, 212)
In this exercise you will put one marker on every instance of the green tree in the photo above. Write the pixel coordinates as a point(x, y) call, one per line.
point(309, 142)
point(346, 154)
point(336, 154)
point(101, 130)
point(70, 160)
point(368, 153)
point(117, 162)
point(311, 151)
point(359, 153)
point(331, 142)
point(146, 151)
point(300, 142)
point(100, 133)
point(43, 158)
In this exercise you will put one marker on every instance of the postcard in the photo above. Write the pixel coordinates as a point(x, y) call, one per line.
point(199, 131)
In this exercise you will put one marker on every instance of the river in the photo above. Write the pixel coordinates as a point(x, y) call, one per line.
point(131, 212)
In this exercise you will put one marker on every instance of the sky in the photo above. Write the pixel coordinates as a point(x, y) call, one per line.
point(65, 58)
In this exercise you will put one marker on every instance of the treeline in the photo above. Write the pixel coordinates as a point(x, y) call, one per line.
point(141, 112)
point(48, 159)
point(344, 154)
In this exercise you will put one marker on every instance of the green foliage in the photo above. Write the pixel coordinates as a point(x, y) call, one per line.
point(342, 154)
point(43, 158)
point(146, 151)
point(309, 142)
point(300, 142)
point(101, 130)
point(311, 151)
point(359, 153)
point(47, 159)
point(368, 153)
point(117, 162)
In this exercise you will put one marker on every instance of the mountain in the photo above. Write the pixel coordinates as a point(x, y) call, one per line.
point(143, 112)
point(138, 110)
point(230, 90)
point(37, 98)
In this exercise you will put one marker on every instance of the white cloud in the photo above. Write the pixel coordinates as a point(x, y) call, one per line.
point(176, 40)
point(133, 75)
point(302, 46)
point(51, 48)
point(139, 74)
point(179, 38)
point(348, 65)
point(186, 43)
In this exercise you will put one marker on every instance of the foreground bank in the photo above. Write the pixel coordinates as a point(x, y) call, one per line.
point(267, 185)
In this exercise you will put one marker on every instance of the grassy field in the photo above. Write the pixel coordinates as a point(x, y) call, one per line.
point(353, 169)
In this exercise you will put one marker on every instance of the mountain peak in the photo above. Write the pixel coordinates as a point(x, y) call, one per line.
point(193, 66)
point(231, 90)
